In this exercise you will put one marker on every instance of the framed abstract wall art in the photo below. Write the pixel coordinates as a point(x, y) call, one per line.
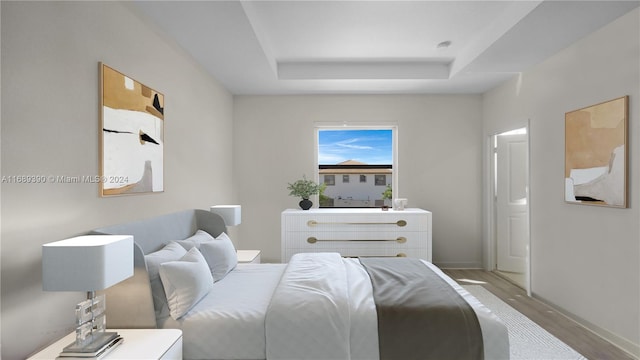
point(596, 153)
point(132, 135)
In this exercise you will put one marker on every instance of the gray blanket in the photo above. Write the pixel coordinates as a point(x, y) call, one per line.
point(420, 316)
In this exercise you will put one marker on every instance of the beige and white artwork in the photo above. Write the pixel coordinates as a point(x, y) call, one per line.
point(132, 136)
point(596, 154)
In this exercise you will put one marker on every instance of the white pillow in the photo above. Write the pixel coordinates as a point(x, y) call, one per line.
point(220, 255)
point(171, 252)
point(186, 282)
point(194, 241)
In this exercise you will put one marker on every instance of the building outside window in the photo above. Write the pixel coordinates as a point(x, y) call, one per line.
point(345, 179)
point(363, 178)
point(381, 180)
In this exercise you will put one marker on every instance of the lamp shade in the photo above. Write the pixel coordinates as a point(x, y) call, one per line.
point(232, 214)
point(87, 263)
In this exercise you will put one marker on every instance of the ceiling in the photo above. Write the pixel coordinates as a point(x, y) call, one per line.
point(371, 47)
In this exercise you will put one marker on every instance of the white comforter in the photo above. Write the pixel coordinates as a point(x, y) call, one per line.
point(246, 316)
point(229, 322)
point(308, 317)
point(323, 309)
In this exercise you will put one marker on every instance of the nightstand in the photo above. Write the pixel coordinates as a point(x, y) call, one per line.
point(137, 344)
point(248, 256)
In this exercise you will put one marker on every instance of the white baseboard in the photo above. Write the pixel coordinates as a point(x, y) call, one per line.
point(459, 265)
point(624, 344)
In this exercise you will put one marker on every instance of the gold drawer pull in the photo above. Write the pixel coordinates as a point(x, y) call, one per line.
point(400, 223)
point(399, 240)
point(385, 256)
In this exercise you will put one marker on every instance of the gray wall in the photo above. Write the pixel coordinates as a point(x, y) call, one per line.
point(50, 55)
point(585, 259)
point(439, 162)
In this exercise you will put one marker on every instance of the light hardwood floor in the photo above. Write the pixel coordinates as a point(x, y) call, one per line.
point(579, 338)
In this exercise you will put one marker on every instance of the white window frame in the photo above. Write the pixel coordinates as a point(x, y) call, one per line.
point(361, 126)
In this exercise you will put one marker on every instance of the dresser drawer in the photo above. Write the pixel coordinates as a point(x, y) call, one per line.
point(354, 239)
point(357, 223)
point(375, 252)
point(357, 232)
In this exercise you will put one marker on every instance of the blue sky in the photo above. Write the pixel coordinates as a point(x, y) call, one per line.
point(373, 147)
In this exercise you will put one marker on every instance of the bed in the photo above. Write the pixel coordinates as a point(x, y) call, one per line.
point(318, 306)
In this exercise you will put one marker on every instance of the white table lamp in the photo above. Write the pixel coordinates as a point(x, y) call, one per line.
point(88, 263)
point(232, 214)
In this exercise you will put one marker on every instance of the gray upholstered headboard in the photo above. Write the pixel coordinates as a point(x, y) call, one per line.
point(130, 304)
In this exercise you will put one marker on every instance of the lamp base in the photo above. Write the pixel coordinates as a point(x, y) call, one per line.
point(100, 341)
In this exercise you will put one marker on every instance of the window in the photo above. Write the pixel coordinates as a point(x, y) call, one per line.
point(330, 180)
point(361, 152)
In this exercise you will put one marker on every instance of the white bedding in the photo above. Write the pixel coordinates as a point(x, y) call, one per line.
point(230, 322)
point(309, 316)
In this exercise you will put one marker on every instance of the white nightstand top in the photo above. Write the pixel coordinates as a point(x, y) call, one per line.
point(248, 256)
point(138, 344)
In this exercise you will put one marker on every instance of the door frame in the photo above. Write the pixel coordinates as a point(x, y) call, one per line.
point(490, 253)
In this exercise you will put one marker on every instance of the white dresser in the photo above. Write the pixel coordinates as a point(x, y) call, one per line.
point(357, 232)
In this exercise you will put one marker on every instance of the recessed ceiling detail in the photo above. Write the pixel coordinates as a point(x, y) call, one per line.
point(363, 47)
point(364, 69)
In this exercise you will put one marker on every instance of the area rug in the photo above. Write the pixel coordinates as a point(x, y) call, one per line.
point(527, 340)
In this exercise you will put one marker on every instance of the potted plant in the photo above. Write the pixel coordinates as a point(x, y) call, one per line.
point(324, 200)
point(386, 197)
point(303, 189)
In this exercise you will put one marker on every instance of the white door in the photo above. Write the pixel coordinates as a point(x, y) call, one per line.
point(512, 220)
